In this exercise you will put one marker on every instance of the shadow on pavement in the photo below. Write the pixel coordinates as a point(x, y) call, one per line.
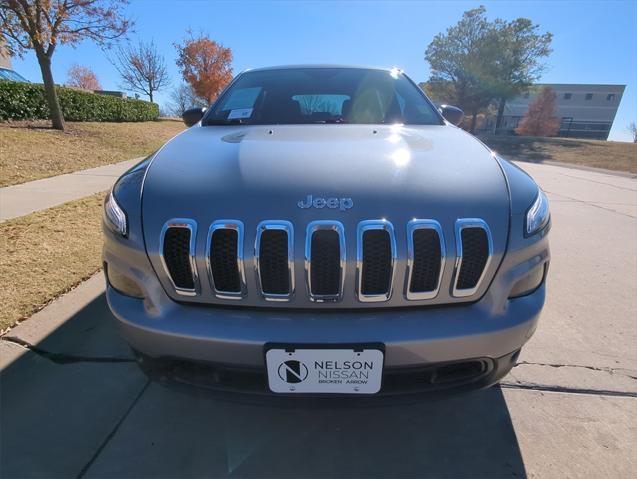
point(103, 419)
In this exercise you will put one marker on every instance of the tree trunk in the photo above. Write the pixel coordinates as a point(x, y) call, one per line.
point(51, 95)
point(474, 120)
point(150, 93)
point(498, 120)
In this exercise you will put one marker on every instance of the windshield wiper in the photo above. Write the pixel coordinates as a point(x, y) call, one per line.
point(224, 121)
point(330, 120)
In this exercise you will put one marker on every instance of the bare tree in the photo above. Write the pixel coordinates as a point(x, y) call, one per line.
point(632, 128)
point(142, 68)
point(183, 98)
point(42, 25)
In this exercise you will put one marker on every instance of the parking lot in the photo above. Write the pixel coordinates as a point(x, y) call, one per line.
point(75, 404)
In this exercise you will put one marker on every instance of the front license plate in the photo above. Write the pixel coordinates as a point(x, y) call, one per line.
point(332, 371)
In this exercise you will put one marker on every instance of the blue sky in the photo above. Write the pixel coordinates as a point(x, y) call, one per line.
point(594, 41)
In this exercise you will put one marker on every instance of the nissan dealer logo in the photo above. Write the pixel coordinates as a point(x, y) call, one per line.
point(293, 371)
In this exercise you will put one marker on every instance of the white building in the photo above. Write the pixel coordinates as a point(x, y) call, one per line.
point(585, 111)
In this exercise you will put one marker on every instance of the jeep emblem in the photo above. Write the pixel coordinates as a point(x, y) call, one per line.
point(342, 204)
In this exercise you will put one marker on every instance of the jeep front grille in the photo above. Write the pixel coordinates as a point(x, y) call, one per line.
point(177, 249)
point(273, 272)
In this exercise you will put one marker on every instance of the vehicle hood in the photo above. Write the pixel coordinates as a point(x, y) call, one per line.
point(260, 172)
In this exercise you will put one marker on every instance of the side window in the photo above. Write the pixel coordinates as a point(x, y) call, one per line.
point(589, 96)
point(568, 96)
point(610, 97)
point(241, 98)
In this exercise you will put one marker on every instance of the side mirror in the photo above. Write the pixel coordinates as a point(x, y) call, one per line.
point(452, 114)
point(192, 116)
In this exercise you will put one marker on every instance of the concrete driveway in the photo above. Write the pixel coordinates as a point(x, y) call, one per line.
point(75, 405)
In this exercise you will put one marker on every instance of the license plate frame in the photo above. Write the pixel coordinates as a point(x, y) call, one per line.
point(322, 369)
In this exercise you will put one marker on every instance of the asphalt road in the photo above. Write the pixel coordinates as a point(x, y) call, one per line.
point(76, 406)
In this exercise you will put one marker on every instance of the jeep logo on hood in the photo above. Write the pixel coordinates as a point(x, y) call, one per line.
point(341, 203)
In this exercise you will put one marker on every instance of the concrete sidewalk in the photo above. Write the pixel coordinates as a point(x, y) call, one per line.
point(20, 200)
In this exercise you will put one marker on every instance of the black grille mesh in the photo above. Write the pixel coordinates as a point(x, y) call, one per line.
point(427, 257)
point(223, 260)
point(325, 263)
point(273, 262)
point(475, 253)
point(177, 257)
point(377, 267)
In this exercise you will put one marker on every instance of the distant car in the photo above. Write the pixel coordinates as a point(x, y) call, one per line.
point(326, 230)
point(7, 74)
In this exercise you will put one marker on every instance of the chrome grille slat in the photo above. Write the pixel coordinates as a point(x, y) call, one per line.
point(473, 255)
point(274, 260)
point(325, 270)
point(224, 258)
point(376, 257)
point(178, 255)
point(424, 267)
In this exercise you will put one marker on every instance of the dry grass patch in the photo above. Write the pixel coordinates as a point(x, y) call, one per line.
point(611, 155)
point(45, 254)
point(31, 150)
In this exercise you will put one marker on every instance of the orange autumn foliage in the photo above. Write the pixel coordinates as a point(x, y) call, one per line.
point(83, 77)
point(540, 119)
point(205, 65)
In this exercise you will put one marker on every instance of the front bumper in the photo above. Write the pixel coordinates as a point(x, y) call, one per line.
point(236, 337)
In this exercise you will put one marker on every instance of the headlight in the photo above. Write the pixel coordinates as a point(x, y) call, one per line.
point(115, 216)
point(538, 215)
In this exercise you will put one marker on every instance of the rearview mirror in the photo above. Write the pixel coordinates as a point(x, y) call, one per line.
point(192, 116)
point(452, 114)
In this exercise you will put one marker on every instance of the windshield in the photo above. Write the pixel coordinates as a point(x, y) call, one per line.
point(323, 95)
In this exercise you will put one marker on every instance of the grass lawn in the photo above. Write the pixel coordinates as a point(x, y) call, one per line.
point(32, 150)
point(612, 155)
point(41, 259)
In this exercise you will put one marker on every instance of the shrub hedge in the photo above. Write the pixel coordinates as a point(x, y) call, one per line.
point(27, 101)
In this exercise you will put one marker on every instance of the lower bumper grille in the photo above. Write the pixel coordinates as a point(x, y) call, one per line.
point(429, 378)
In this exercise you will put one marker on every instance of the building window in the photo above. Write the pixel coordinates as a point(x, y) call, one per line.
point(610, 97)
point(589, 96)
point(567, 96)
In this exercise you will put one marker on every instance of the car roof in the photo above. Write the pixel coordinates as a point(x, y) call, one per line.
point(291, 67)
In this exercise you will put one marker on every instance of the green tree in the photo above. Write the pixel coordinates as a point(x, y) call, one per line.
point(477, 62)
point(42, 25)
point(460, 60)
point(519, 63)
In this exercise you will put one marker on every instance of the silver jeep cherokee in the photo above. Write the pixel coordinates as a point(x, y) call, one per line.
point(326, 230)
